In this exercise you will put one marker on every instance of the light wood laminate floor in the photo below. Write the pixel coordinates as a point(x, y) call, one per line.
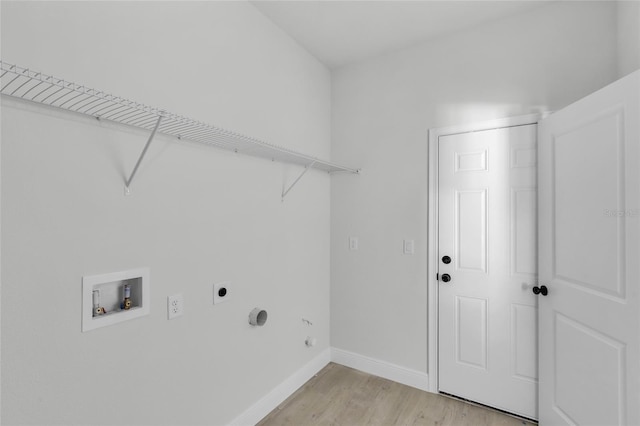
point(342, 396)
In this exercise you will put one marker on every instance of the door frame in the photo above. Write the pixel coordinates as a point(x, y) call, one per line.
point(432, 225)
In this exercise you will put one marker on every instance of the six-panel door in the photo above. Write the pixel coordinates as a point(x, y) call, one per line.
point(488, 227)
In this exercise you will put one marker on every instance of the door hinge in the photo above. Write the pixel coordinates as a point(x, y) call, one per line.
point(437, 277)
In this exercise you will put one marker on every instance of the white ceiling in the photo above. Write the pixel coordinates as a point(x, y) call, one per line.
point(339, 32)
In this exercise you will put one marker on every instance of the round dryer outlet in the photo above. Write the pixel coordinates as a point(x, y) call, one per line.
point(221, 292)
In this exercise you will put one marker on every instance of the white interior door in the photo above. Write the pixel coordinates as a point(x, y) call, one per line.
point(487, 208)
point(590, 260)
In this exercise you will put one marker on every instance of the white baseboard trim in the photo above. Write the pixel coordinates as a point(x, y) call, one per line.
point(270, 401)
point(383, 369)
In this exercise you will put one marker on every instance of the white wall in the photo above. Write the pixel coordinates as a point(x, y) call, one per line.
point(198, 215)
point(382, 110)
point(628, 36)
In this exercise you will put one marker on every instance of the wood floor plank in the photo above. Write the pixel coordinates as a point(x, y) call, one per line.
point(342, 396)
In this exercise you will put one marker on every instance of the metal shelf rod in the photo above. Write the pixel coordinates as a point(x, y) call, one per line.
point(306, 169)
point(144, 151)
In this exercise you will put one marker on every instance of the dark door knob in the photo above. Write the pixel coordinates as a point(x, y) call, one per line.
point(446, 260)
point(541, 290)
point(446, 278)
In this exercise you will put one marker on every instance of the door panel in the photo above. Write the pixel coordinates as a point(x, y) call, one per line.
point(524, 256)
point(589, 323)
point(471, 161)
point(487, 225)
point(572, 336)
point(471, 230)
point(582, 189)
point(524, 361)
point(471, 331)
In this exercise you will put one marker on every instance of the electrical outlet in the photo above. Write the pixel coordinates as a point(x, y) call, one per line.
point(175, 306)
point(221, 292)
point(409, 247)
point(353, 243)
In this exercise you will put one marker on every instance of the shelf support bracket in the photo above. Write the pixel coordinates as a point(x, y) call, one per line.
point(306, 169)
point(127, 191)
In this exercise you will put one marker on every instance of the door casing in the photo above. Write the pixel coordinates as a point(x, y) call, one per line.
point(432, 227)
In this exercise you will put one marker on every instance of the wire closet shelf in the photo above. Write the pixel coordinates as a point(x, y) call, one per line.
point(22, 83)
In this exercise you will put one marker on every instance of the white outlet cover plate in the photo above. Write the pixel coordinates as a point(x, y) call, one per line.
point(353, 243)
point(409, 247)
point(175, 306)
point(218, 291)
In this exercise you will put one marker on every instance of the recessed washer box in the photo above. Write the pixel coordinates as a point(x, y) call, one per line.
point(110, 291)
